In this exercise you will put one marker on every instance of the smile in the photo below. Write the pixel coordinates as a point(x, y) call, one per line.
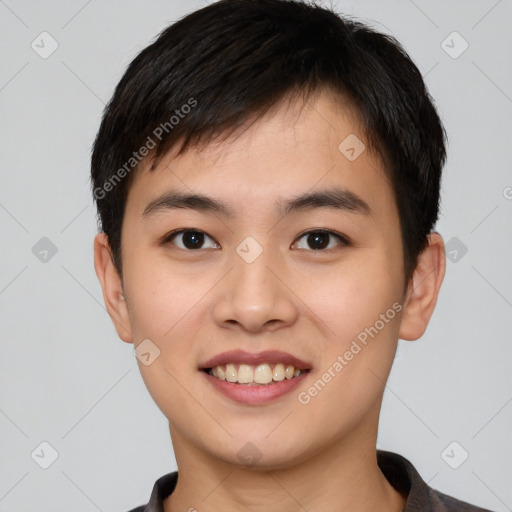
point(254, 378)
point(262, 374)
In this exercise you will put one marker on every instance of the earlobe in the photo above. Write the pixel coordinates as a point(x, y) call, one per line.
point(423, 289)
point(112, 287)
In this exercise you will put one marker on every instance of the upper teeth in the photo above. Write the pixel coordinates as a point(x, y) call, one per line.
point(261, 374)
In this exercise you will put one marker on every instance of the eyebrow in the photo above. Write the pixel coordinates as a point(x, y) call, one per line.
point(335, 198)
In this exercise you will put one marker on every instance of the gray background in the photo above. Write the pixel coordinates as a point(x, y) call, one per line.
point(68, 380)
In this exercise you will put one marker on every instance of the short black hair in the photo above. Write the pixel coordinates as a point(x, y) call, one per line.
point(231, 61)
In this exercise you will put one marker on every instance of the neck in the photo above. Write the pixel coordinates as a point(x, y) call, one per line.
point(344, 477)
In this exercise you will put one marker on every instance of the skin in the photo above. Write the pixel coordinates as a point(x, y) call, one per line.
point(196, 303)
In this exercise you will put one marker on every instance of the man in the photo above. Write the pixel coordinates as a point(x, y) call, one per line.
point(267, 178)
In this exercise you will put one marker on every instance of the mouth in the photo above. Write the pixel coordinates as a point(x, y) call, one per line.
point(261, 369)
point(251, 375)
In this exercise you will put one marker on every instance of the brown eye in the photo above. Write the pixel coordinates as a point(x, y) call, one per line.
point(321, 240)
point(191, 239)
point(318, 240)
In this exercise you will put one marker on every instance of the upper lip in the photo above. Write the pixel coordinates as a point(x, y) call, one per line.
point(243, 357)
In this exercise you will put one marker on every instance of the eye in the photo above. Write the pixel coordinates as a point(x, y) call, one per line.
point(190, 239)
point(321, 239)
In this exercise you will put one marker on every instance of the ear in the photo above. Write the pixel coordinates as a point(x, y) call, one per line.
point(112, 287)
point(423, 289)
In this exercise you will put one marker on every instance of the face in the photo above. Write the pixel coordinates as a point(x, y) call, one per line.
point(294, 248)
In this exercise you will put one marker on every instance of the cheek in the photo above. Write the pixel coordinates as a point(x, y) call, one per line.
point(166, 309)
point(362, 311)
point(353, 297)
point(159, 300)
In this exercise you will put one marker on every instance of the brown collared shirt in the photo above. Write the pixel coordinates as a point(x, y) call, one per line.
point(401, 474)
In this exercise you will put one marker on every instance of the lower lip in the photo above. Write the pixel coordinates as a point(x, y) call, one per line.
point(255, 395)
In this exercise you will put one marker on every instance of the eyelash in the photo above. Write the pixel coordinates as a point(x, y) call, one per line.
point(341, 238)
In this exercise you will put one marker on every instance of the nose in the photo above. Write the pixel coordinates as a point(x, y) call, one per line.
point(255, 297)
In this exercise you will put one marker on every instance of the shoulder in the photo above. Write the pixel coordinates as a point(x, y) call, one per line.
point(162, 488)
point(444, 503)
point(404, 477)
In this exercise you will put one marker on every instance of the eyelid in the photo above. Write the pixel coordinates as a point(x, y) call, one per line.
point(169, 236)
point(342, 238)
point(345, 240)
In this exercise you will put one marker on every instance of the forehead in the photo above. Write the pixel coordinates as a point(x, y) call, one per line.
point(293, 148)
